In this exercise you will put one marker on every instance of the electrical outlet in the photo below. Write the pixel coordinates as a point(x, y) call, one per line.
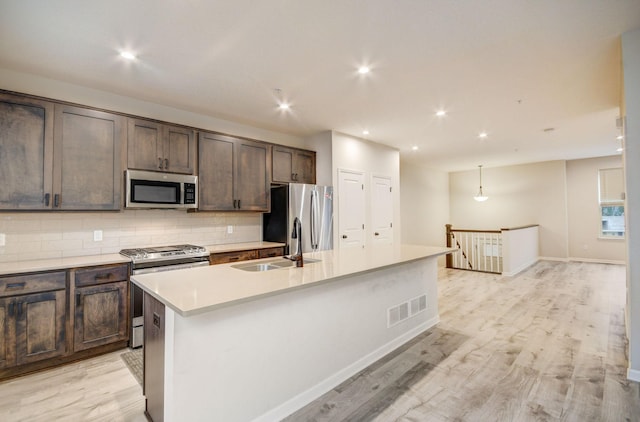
point(3, 239)
point(97, 235)
point(229, 229)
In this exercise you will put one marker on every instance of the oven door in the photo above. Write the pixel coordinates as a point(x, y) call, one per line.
point(137, 295)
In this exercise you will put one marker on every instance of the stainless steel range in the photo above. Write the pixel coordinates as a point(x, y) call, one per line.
point(154, 259)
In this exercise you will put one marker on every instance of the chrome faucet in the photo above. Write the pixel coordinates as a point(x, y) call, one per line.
point(297, 234)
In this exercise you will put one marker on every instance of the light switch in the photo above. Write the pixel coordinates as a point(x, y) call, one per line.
point(229, 229)
point(3, 239)
point(97, 235)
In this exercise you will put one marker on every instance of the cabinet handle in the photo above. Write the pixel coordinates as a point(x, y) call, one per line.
point(376, 234)
point(166, 163)
point(102, 277)
point(234, 258)
point(160, 163)
point(78, 299)
point(47, 197)
point(11, 309)
point(238, 204)
point(56, 200)
point(19, 310)
point(235, 202)
point(19, 285)
point(344, 236)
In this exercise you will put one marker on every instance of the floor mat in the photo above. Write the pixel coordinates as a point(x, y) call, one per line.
point(133, 360)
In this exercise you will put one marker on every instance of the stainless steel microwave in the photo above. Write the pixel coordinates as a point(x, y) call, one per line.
point(149, 189)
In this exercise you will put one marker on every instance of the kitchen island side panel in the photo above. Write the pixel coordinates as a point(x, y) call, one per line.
point(264, 359)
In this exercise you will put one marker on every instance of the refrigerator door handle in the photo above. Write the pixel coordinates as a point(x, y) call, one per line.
point(314, 218)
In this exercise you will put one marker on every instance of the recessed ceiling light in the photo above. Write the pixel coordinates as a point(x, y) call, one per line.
point(365, 132)
point(414, 148)
point(127, 55)
point(482, 135)
point(284, 106)
point(441, 113)
point(363, 70)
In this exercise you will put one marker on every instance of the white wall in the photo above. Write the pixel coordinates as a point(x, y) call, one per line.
point(631, 69)
point(518, 196)
point(424, 205)
point(321, 144)
point(584, 219)
point(351, 153)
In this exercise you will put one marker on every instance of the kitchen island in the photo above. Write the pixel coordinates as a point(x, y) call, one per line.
point(225, 343)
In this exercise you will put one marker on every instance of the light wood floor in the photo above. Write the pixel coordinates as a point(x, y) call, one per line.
point(545, 345)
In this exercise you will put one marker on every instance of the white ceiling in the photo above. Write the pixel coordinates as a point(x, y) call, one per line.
point(508, 67)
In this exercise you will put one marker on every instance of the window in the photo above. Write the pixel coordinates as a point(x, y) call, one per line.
point(611, 199)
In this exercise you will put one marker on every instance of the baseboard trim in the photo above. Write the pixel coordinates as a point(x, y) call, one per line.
point(553, 258)
point(598, 261)
point(520, 268)
point(633, 375)
point(306, 397)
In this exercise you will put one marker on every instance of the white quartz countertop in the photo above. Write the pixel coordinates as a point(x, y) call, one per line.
point(61, 263)
point(196, 290)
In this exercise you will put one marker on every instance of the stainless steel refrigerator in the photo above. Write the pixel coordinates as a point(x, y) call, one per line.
point(312, 204)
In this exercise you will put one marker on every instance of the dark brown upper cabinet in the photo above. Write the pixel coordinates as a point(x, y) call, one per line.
point(58, 157)
point(26, 147)
point(160, 147)
point(233, 174)
point(291, 165)
point(87, 170)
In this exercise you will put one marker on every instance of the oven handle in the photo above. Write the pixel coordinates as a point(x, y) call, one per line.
point(170, 267)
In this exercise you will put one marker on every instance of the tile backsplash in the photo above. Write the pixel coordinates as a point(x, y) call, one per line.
point(61, 235)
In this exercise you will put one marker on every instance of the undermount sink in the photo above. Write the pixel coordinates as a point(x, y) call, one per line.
point(271, 265)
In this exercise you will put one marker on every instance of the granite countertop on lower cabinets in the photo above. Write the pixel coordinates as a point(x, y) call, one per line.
point(53, 264)
point(246, 246)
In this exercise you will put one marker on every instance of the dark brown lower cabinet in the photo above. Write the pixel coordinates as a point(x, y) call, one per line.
point(33, 328)
point(100, 315)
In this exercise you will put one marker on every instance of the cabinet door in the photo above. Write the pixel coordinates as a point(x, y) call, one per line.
point(7, 333)
point(100, 315)
point(26, 148)
point(145, 145)
point(304, 167)
point(87, 159)
point(40, 326)
point(282, 164)
point(251, 178)
point(215, 172)
point(179, 150)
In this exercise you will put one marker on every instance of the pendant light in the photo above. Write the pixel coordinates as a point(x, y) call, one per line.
point(480, 196)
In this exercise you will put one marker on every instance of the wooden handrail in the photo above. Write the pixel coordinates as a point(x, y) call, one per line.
point(475, 231)
point(520, 227)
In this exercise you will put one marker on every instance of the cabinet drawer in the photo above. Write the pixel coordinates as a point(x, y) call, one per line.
point(32, 283)
point(270, 252)
point(224, 257)
point(100, 275)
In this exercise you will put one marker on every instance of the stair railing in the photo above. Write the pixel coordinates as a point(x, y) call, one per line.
point(477, 250)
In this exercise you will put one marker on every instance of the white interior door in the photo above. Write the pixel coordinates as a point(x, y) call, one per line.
point(381, 210)
point(351, 209)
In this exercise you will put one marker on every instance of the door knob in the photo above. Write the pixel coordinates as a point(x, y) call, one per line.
point(344, 236)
